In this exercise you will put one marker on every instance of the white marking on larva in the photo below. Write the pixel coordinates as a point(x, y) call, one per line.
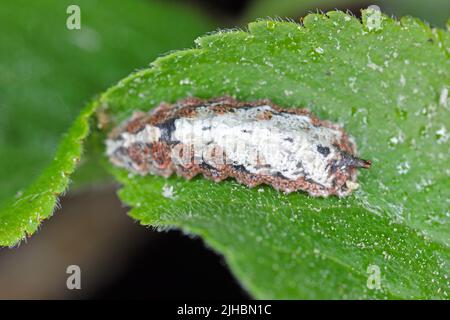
point(256, 143)
point(112, 146)
point(282, 141)
point(352, 185)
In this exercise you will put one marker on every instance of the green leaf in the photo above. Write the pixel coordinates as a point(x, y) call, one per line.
point(47, 73)
point(25, 213)
point(386, 83)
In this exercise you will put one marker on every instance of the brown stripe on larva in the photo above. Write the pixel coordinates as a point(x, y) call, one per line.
point(289, 149)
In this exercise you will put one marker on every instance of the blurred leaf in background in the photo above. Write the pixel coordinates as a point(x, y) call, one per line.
point(436, 12)
point(433, 11)
point(47, 72)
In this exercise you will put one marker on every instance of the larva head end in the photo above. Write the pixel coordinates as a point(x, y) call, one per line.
point(349, 160)
point(361, 163)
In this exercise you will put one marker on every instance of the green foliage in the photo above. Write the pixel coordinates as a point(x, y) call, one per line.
point(47, 72)
point(387, 86)
point(24, 213)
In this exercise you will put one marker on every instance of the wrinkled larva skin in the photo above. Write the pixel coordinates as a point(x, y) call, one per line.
point(253, 142)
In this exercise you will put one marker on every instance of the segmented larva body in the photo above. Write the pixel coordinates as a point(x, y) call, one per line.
point(253, 142)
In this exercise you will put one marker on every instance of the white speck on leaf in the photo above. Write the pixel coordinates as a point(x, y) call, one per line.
point(374, 18)
point(351, 84)
point(168, 192)
point(400, 99)
point(423, 184)
point(403, 167)
point(288, 92)
point(443, 98)
point(402, 80)
point(400, 138)
point(185, 81)
point(373, 65)
point(442, 135)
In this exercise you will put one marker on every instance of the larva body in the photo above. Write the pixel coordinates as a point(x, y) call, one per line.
point(253, 142)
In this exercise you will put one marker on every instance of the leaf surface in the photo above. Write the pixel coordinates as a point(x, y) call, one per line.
point(387, 83)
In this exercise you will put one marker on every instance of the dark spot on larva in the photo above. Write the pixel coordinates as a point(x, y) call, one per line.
point(246, 131)
point(205, 165)
point(240, 168)
point(263, 166)
point(206, 128)
point(167, 128)
point(289, 139)
point(212, 170)
point(173, 143)
point(276, 113)
point(280, 175)
point(299, 165)
point(325, 151)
